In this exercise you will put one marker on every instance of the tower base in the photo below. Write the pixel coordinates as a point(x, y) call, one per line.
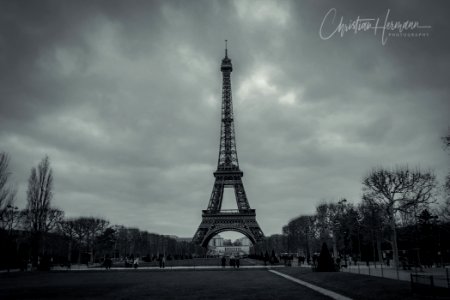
point(242, 221)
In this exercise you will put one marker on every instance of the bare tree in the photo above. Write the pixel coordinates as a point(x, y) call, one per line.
point(68, 229)
point(398, 191)
point(40, 216)
point(445, 207)
point(54, 217)
point(299, 233)
point(95, 227)
point(327, 218)
point(85, 230)
point(372, 222)
point(80, 233)
point(7, 195)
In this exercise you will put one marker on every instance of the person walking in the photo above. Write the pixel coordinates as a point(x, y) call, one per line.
point(136, 262)
point(224, 261)
point(237, 262)
point(108, 263)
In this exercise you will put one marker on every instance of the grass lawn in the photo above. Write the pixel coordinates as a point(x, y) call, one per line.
point(196, 284)
point(354, 285)
point(151, 284)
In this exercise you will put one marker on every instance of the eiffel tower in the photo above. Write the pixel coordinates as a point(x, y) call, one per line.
point(227, 175)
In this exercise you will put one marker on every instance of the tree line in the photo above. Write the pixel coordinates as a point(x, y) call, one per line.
point(397, 220)
point(40, 233)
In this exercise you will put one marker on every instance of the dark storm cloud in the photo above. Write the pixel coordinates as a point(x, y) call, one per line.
point(125, 98)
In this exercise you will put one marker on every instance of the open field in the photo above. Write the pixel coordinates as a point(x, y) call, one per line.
point(152, 284)
point(354, 285)
point(202, 283)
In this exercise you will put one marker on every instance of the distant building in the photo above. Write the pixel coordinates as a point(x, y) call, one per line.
point(244, 241)
point(216, 241)
point(227, 242)
point(218, 247)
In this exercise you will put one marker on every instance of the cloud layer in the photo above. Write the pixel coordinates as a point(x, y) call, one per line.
point(125, 99)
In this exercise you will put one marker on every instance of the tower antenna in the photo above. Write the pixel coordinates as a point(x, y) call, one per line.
point(226, 48)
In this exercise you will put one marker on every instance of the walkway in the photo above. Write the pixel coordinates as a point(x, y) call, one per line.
point(316, 288)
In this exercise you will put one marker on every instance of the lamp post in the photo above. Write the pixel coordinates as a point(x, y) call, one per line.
point(358, 222)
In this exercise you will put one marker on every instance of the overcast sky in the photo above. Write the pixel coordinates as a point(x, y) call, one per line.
point(125, 97)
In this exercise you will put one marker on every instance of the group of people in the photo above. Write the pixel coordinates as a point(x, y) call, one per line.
point(134, 262)
point(234, 261)
point(131, 262)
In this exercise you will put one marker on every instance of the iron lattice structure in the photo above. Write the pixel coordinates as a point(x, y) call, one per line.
point(228, 175)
